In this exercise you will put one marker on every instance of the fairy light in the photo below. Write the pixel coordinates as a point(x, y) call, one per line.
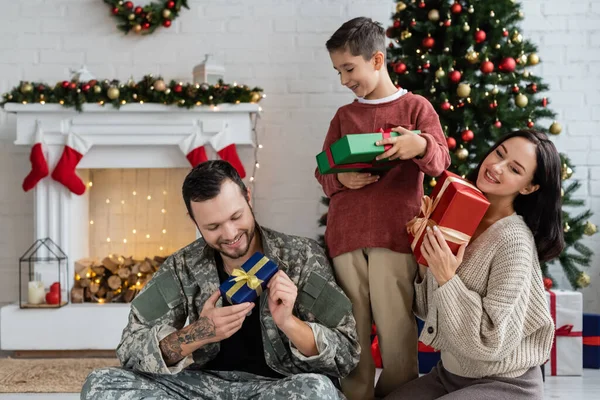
point(108, 240)
point(125, 241)
point(149, 197)
point(134, 231)
point(257, 146)
point(87, 275)
point(139, 274)
point(92, 222)
point(163, 211)
point(134, 193)
point(101, 301)
point(164, 231)
point(161, 248)
point(122, 201)
point(164, 192)
point(107, 201)
point(147, 236)
point(90, 184)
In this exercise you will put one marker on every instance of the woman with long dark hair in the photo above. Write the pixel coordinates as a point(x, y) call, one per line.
point(485, 308)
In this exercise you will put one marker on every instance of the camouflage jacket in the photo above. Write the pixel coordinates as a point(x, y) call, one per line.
point(179, 289)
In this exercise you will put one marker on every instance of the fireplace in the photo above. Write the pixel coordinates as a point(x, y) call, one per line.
point(136, 139)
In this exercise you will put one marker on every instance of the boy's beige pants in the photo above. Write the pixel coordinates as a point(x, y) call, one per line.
point(379, 282)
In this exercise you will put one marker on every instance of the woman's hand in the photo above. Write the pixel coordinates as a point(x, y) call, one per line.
point(442, 263)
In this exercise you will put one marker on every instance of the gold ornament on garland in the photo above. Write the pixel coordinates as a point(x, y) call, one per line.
point(590, 229)
point(160, 85)
point(145, 19)
point(583, 280)
point(26, 88)
point(555, 128)
point(113, 93)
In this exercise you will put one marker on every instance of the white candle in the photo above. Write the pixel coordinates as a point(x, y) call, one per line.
point(36, 293)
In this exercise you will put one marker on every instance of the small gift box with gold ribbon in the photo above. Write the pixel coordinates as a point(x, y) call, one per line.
point(249, 281)
point(356, 153)
point(455, 206)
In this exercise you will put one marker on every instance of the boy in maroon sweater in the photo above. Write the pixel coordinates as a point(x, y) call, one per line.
point(366, 224)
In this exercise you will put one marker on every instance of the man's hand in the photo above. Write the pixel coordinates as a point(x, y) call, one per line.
point(225, 320)
point(356, 180)
point(404, 147)
point(282, 297)
point(213, 325)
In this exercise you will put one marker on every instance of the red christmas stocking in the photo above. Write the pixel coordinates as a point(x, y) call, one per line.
point(39, 166)
point(225, 148)
point(64, 172)
point(193, 148)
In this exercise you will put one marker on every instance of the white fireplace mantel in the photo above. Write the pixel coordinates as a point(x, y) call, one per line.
point(134, 136)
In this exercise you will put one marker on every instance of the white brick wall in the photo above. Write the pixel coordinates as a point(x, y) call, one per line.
point(279, 45)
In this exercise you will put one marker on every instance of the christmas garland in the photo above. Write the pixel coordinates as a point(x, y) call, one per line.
point(147, 18)
point(148, 90)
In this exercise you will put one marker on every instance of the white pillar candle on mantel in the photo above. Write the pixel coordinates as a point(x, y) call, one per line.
point(36, 292)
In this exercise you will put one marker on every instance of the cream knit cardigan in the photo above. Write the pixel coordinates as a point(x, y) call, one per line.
point(491, 318)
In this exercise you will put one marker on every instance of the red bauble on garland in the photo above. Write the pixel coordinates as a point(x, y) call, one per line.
point(145, 19)
point(467, 135)
point(451, 143)
point(396, 24)
point(480, 36)
point(166, 23)
point(129, 5)
point(170, 4)
point(138, 10)
point(178, 88)
point(487, 67)
point(455, 76)
point(508, 64)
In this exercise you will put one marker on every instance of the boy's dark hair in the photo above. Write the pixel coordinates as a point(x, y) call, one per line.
point(361, 36)
point(542, 209)
point(204, 182)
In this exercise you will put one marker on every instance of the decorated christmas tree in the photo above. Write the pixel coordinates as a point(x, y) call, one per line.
point(471, 61)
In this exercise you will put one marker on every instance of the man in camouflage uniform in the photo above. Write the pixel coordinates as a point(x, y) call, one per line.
point(294, 342)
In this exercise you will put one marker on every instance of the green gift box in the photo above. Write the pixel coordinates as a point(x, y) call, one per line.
point(356, 153)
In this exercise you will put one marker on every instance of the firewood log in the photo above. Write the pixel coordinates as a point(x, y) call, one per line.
point(114, 282)
point(124, 272)
point(84, 282)
point(146, 267)
point(99, 270)
point(94, 287)
point(77, 295)
point(129, 295)
point(111, 264)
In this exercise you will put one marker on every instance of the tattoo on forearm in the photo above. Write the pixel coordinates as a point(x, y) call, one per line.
point(171, 345)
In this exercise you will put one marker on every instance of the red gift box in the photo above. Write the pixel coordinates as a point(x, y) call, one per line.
point(455, 206)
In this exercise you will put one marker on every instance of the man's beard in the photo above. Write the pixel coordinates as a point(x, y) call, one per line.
point(241, 252)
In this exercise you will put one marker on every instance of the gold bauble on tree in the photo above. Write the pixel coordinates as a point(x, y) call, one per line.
point(566, 228)
point(533, 59)
point(495, 90)
point(590, 228)
point(466, 27)
point(440, 73)
point(405, 35)
point(433, 15)
point(472, 56)
point(463, 90)
point(400, 7)
point(432, 182)
point(566, 172)
point(113, 93)
point(521, 100)
point(555, 128)
point(517, 37)
point(583, 280)
point(462, 153)
point(522, 59)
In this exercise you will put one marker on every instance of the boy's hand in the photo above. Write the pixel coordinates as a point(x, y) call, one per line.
point(356, 180)
point(406, 146)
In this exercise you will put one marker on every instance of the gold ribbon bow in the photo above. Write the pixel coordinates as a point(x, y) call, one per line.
point(250, 279)
point(417, 225)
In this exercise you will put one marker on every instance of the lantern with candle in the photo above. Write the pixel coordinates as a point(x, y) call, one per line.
point(209, 71)
point(43, 274)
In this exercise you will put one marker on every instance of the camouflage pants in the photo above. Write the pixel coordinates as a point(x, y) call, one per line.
point(120, 384)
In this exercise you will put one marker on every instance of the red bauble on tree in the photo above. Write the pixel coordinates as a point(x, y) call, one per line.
point(515, 89)
point(494, 105)
point(533, 88)
point(445, 105)
point(530, 124)
point(138, 10)
point(498, 124)
point(396, 24)
point(504, 32)
point(508, 64)
point(487, 67)
point(544, 102)
point(115, 10)
point(146, 25)
point(422, 4)
point(447, 23)
point(456, 8)
point(170, 4)
point(480, 36)
point(428, 42)
point(548, 283)
point(451, 143)
point(129, 5)
point(467, 135)
point(426, 65)
point(400, 68)
point(455, 76)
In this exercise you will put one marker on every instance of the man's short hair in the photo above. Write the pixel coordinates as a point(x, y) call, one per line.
point(361, 36)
